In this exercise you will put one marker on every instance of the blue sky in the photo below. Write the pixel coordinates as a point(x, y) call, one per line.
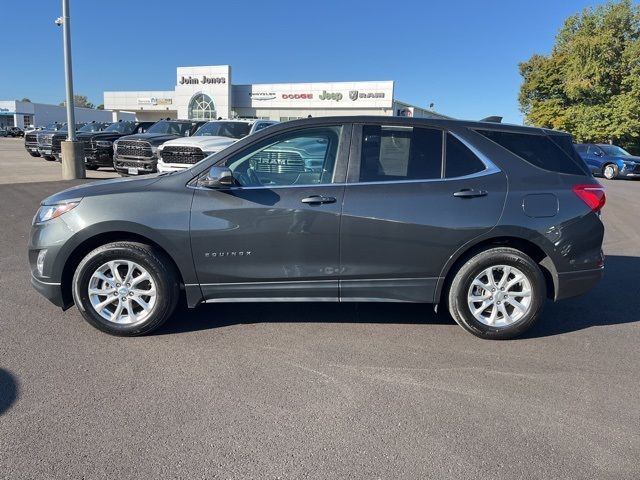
point(462, 55)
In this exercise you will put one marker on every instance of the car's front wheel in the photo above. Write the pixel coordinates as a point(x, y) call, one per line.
point(497, 294)
point(125, 288)
point(610, 171)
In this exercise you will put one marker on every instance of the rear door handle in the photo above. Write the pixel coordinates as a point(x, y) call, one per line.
point(318, 199)
point(470, 193)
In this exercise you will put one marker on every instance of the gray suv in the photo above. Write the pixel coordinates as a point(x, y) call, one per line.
point(486, 220)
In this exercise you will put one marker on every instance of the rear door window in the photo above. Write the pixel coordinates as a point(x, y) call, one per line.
point(460, 160)
point(537, 149)
point(393, 153)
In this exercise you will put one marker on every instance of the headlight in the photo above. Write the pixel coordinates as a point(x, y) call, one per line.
point(49, 212)
point(103, 143)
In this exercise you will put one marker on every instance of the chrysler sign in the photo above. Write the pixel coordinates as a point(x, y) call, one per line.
point(262, 95)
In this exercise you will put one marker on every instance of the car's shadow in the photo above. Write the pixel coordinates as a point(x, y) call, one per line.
point(8, 390)
point(615, 300)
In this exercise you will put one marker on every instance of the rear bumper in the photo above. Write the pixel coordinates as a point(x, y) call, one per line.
point(572, 284)
point(50, 291)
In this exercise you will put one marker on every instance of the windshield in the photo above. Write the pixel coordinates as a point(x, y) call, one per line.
point(224, 129)
point(121, 127)
point(614, 151)
point(55, 126)
point(92, 127)
point(171, 128)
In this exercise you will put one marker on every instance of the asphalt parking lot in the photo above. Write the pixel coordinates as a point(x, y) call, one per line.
point(317, 390)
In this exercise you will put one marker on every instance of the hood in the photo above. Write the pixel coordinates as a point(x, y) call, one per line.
point(206, 143)
point(102, 187)
point(152, 138)
point(100, 135)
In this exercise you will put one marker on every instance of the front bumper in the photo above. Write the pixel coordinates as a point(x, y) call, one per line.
point(101, 157)
point(171, 167)
point(125, 165)
point(44, 151)
point(629, 171)
point(50, 291)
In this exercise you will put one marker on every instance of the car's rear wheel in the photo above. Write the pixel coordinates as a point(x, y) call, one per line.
point(497, 294)
point(610, 171)
point(125, 288)
point(92, 167)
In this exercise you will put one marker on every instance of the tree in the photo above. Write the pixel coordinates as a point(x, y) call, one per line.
point(25, 99)
point(79, 101)
point(100, 107)
point(589, 85)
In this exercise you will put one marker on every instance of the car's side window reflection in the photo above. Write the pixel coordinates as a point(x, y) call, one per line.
point(303, 157)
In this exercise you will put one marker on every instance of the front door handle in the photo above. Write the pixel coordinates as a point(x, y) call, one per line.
point(470, 193)
point(318, 199)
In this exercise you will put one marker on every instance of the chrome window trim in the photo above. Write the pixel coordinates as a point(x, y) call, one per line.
point(483, 173)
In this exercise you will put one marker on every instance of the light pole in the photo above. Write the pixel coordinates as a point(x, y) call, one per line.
point(72, 151)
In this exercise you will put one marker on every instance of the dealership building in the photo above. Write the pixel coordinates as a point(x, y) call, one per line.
point(14, 113)
point(203, 93)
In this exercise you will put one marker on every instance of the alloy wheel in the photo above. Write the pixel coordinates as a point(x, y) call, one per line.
point(500, 296)
point(122, 292)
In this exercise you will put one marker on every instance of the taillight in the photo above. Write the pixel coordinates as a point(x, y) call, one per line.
point(592, 194)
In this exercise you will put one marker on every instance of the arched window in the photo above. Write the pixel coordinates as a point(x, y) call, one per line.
point(201, 107)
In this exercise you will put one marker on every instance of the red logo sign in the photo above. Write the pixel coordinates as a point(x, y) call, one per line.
point(297, 96)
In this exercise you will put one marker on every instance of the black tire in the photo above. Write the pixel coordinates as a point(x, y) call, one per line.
point(92, 167)
point(610, 171)
point(461, 284)
point(34, 154)
point(49, 158)
point(157, 265)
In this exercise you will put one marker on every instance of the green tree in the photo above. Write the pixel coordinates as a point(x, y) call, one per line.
point(100, 107)
point(79, 101)
point(589, 85)
point(25, 99)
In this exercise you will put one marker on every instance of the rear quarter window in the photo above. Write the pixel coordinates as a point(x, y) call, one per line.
point(555, 155)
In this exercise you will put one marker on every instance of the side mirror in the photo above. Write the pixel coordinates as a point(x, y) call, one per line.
point(217, 177)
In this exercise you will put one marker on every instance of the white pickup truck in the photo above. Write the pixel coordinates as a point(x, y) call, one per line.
point(210, 138)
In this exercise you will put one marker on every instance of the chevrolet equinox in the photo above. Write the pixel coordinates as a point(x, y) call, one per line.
point(484, 219)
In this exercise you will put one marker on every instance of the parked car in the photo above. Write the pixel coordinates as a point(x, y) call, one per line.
point(98, 146)
point(15, 132)
point(44, 139)
point(61, 135)
point(210, 138)
point(486, 220)
point(610, 161)
point(138, 154)
point(4, 132)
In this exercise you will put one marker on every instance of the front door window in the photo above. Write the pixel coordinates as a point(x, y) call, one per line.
point(303, 157)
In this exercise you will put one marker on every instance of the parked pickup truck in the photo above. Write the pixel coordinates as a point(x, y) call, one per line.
point(138, 154)
point(212, 137)
point(61, 135)
point(31, 137)
point(98, 146)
